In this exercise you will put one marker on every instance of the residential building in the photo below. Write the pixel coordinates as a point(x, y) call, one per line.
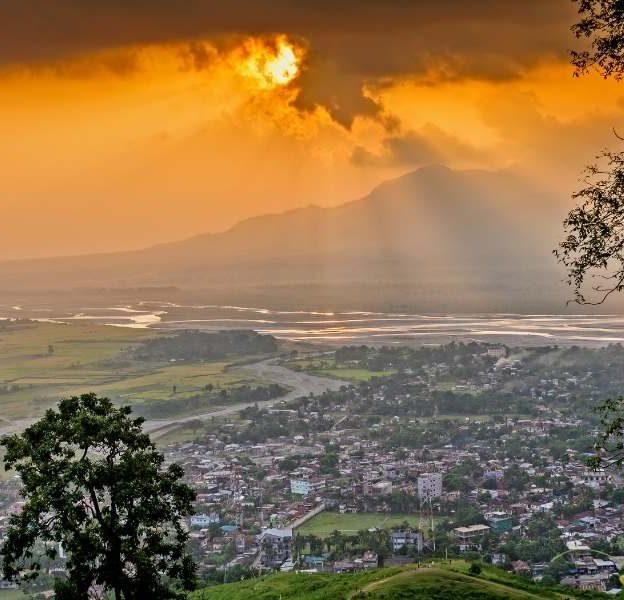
point(469, 538)
point(407, 538)
point(500, 522)
point(429, 486)
point(276, 546)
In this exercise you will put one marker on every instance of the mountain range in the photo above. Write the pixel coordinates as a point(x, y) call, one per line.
point(433, 239)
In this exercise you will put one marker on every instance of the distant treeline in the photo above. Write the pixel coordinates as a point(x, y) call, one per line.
point(197, 346)
point(158, 409)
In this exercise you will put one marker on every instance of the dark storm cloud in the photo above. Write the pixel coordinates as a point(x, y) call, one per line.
point(351, 42)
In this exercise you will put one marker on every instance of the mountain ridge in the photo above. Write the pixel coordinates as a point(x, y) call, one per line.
point(442, 231)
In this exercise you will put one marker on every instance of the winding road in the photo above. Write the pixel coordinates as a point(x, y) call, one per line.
point(300, 384)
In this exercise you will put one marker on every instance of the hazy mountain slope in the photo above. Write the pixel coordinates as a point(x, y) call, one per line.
point(452, 230)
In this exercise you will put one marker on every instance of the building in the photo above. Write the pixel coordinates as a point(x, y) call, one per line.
point(469, 538)
point(276, 547)
point(407, 538)
point(429, 486)
point(500, 522)
point(497, 352)
point(596, 583)
point(303, 487)
point(597, 478)
point(382, 488)
point(204, 520)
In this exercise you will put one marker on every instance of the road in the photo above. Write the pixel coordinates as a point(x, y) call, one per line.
point(300, 384)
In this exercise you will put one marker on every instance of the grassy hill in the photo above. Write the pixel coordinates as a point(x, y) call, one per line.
point(441, 582)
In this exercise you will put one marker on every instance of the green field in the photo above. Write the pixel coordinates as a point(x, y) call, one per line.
point(328, 368)
point(88, 357)
point(12, 595)
point(444, 581)
point(325, 523)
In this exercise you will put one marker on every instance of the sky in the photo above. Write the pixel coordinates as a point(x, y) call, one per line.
point(126, 123)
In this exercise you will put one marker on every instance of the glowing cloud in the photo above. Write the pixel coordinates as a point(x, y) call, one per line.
point(270, 63)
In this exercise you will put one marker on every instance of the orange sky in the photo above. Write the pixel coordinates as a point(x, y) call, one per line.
point(128, 142)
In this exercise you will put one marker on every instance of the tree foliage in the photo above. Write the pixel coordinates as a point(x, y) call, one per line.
point(610, 445)
point(600, 23)
point(594, 244)
point(94, 484)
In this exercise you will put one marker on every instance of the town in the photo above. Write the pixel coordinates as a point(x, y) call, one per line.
point(477, 451)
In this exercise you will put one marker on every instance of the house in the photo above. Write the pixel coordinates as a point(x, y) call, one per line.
point(469, 538)
point(500, 522)
point(407, 538)
point(519, 567)
point(276, 546)
point(597, 582)
point(204, 520)
point(303, 487)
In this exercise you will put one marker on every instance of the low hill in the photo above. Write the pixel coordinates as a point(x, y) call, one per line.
point(442, 582)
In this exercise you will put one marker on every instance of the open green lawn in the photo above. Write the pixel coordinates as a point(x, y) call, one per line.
point(328, 368)
point(91, 357)
point(355, 375)
point(324, 523)
point(12, 595)
point(443, 581)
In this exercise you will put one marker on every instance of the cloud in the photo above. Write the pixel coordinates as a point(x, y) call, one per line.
point(353, 44)
point(429, 144)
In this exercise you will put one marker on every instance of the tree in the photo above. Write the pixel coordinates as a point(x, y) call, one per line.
point(610, 445)
point(600, 23)
point(94, 484)
point(594, 245)
point(50, 349)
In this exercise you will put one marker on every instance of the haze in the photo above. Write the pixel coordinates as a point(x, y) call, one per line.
point(146, 122)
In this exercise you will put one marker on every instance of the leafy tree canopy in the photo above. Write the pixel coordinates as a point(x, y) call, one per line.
point(94, 484)
point(601, 24)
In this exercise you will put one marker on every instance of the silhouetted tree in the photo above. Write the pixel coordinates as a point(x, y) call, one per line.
point(94, 483)
point(600, 23)
point(594, 244)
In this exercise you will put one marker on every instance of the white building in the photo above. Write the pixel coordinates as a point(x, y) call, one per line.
point(303, 487)
point(429, 486)
point(400, 539)
point(204, 520)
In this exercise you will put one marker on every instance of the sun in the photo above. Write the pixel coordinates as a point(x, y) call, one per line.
point(283, 68)
point(271, 64)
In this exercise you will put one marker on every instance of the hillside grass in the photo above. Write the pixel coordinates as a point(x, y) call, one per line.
point(443, 581)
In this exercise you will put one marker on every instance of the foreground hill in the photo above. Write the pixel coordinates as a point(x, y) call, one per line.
point(439, 583)
point(428, 236)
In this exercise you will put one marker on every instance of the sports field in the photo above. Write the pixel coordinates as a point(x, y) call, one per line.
point(326, 522)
